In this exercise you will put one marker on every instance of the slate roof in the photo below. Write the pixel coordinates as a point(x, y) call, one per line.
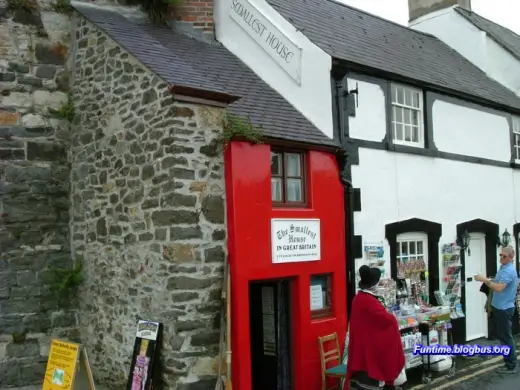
point(349, 34)
point(187, 62)
point(503, 36)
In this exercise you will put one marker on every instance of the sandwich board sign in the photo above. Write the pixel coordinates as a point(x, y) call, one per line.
point(63, 365)
point(143, 371)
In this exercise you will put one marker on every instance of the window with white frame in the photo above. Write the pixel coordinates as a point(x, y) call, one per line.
point(516, 137)
point(407, 116)
point(411, 253)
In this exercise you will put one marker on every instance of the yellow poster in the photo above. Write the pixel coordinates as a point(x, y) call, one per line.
point(61, 366)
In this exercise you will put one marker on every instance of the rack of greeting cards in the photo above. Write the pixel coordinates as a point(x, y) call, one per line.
point(373, 256)
point(451, 295)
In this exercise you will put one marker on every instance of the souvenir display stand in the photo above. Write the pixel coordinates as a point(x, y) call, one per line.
point(419, 321)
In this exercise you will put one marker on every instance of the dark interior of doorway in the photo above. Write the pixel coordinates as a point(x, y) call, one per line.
point(270, 330)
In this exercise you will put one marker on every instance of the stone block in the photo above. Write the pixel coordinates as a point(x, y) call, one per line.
point(25, 292)
point(64, 320)
point(51, 54)
point(20, 306)
point(32, 373)
point(214, 255)
point(201, 384)
point(186, 233)
point(25, 278)
point(45, 151)
point(9, 374)
point(8, 118)
point(29, 348)
point(188, 283)
point(46, 71)
point(12, 154)
point(170, 217)
point(178, 200)
point(213, 209)
point(54, 100)
point(31, 81)
point(179, 253)
point(17, 100)
point(205, 338)
point(7, 77)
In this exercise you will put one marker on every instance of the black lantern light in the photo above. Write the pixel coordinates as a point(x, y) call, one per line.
point(463, 242)
point(505, 240)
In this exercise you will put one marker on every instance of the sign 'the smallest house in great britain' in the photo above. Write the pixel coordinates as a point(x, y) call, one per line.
point(295, 240)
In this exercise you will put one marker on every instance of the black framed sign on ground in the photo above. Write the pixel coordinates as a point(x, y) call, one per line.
point(145, 356)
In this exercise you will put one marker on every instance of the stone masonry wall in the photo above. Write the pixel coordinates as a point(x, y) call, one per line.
point(149, 218)
point(34, 193)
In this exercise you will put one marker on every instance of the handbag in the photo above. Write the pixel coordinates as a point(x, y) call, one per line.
point(401, 379)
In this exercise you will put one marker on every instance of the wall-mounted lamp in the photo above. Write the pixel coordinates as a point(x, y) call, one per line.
point(505, 240)
point(463, 242)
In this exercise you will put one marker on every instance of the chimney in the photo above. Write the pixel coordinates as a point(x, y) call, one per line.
point(194, 18)
point(418, 8)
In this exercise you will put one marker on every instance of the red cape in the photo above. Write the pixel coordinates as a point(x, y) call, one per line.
point(375, 341)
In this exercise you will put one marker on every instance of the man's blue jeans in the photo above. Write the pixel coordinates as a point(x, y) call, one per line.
point(503, 320)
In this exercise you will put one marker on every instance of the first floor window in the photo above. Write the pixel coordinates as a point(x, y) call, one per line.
point(320, 294)
point(287, 178)
point(516, 137)
point(407, 116)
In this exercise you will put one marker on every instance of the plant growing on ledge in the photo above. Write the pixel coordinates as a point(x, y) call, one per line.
point(62, 6)
point(240, 128)
point(157, 10)
point(27, 5)
point(64, 283)
point(66, 111)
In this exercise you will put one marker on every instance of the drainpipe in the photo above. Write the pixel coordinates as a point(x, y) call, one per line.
point(342, 134)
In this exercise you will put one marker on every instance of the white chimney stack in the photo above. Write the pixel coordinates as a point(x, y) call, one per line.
point(419, 8)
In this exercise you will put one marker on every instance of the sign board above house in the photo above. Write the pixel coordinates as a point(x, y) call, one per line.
point(295, 240)
point(286, 54)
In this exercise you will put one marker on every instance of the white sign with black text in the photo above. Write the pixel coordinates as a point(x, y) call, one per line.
point(286, 54)
point(295, 240)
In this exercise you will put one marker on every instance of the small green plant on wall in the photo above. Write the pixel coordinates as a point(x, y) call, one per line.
point(61, 6)
point(236, 127)
point(66, 111)
point(64, 283)
point(157, 10)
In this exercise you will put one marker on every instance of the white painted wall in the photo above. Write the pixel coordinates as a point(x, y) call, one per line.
point(396, 187)
point(312, 97)
point(370, 120)
point(457, 32)
point(471, 132)
point(474, 44)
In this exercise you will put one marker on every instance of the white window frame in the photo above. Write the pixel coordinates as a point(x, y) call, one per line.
point(420, 110)
point(413, 237)
point(516, 138)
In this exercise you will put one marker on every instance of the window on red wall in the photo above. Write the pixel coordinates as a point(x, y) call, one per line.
point(320, 295)
point(288, 178)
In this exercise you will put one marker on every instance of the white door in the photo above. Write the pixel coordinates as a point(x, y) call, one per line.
point(476, 317)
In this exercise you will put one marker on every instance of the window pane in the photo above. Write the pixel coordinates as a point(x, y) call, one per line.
point(412, 247)
point(399, 114)
point(276, 189)
point(399, 132)
point(517, 139)
point(276, 164)
point(415, 134)
point(420, 250)
point(415, 118)
point(408, 133)
point(292, 164)
point(407, 116)
point(416, 99)
point(394, 95)
point(400, 96)
point(404, 248)
point(294, 190)
point(408, 97)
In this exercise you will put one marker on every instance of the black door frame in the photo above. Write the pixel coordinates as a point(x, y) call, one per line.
point(490, 230)
point(433, 230)
point(516, 233)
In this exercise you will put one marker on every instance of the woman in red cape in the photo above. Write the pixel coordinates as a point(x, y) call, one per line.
point(375, 351)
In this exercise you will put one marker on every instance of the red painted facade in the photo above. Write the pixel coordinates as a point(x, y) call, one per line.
point(249, 211)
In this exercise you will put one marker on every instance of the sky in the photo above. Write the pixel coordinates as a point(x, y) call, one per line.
point(504, 12)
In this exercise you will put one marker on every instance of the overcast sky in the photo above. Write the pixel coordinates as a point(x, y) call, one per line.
point(504, 12)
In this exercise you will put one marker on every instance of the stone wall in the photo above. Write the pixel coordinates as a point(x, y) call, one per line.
point(34, 174)
point(149, 218)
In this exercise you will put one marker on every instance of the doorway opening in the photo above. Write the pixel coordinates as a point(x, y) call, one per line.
point(477, 324)
point(270, 332)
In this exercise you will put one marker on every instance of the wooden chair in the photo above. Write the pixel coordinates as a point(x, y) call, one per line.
point(331, 365)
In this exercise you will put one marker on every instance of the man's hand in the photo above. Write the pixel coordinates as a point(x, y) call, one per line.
point(480, 278)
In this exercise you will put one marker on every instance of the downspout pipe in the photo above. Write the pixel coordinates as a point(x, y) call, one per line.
point(341, 130)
